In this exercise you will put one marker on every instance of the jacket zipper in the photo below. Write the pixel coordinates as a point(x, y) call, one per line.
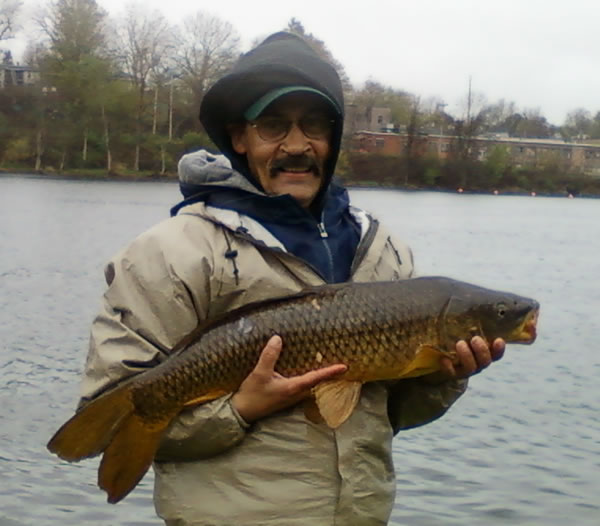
point(322, 230)
point(324, 236)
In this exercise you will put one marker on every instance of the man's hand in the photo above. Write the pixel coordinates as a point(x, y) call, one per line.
point(265, 391)
point(472, 358)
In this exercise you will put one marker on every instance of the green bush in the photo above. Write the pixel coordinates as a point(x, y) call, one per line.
point(17, 150)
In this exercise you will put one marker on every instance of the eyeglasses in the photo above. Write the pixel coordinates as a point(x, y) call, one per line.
point(273, 128)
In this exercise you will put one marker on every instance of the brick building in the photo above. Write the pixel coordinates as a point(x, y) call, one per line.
point(571, 156)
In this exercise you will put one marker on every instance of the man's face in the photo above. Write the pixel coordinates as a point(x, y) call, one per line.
point(293, 163)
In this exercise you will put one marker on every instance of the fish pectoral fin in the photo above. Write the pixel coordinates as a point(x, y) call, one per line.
point(129, 456)
point(426, 361)
point(336, 399)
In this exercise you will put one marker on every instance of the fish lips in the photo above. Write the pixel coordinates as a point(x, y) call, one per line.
point(527, 332)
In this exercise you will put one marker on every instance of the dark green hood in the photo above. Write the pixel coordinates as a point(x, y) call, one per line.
point(283, 59)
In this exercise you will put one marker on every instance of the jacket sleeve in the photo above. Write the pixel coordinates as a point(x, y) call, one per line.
point(413, 402)
point(148, 307)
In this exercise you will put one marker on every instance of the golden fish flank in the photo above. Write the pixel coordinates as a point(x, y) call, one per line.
point(381, 331)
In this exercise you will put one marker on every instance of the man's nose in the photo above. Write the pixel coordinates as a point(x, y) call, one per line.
point(295, 141)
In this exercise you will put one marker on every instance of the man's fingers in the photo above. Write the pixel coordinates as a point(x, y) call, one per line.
point(269, 356)
point(312, 378)
point(482, 353)
point(446, 369)
point(497, 350)
point(467, 364)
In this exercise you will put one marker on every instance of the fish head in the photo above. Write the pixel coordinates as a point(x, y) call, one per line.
point(490, 314)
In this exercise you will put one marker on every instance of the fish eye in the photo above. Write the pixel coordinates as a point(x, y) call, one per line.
point(501, 310)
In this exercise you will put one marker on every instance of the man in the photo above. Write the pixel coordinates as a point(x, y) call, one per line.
point(265, 221)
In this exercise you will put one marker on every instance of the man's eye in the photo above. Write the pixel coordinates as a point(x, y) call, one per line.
point(316, 124)
point(273, 124)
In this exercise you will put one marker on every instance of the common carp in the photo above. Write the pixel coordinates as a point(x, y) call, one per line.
point(380, 331)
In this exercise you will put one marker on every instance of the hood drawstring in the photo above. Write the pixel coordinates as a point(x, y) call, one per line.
point(231, 254)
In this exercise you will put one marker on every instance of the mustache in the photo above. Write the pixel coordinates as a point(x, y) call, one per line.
point(300, 162)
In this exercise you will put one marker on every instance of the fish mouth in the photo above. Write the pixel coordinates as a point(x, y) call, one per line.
point(527, 331)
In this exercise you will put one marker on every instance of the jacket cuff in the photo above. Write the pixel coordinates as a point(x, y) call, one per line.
point(414, 403)
point(239, 418)
point(203, 432)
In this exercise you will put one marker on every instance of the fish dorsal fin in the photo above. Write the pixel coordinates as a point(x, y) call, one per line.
point(336, 399)
point(426, 361)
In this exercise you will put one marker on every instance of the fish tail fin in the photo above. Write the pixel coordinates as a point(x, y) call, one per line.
point(91, 429)
point(129, 456)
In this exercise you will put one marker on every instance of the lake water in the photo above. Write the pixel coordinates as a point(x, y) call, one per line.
point(521, 447)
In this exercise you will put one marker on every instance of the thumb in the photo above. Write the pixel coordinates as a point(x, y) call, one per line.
point(269, 355)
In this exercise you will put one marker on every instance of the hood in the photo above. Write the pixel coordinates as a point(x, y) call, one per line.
point(283, 59)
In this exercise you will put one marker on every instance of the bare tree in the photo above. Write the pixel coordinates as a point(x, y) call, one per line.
point(145, 41)
point(206, 47)
point(471, 125)
point(75, 29)
point(9, 10)
point(579, 123)
point(296, 27)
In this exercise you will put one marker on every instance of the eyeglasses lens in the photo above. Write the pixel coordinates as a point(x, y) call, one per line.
point(272, 128)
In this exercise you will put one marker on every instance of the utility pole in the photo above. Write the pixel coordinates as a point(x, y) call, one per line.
point(171, 108)
point(469, 103)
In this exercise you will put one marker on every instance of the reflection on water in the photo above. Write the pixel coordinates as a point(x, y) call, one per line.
point(521, 447)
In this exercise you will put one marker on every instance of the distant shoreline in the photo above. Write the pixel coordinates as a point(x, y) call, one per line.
point(172, 178)
point(144, 177)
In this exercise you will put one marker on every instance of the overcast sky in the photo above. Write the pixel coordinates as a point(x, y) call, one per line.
point(538, 53)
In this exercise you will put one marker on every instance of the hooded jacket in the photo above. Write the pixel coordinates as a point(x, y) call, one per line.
point(214, 255)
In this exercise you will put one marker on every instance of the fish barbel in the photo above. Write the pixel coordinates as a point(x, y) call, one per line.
point(380, 331)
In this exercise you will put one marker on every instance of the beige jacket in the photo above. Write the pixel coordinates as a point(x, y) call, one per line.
point(212, 468)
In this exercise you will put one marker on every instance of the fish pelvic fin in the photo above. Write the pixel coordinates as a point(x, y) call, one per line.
point(129, 456)
point(89, 432)
point(426, 361)
point(336, 399)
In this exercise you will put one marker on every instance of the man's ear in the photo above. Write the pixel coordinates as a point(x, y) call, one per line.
point(237, 132)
